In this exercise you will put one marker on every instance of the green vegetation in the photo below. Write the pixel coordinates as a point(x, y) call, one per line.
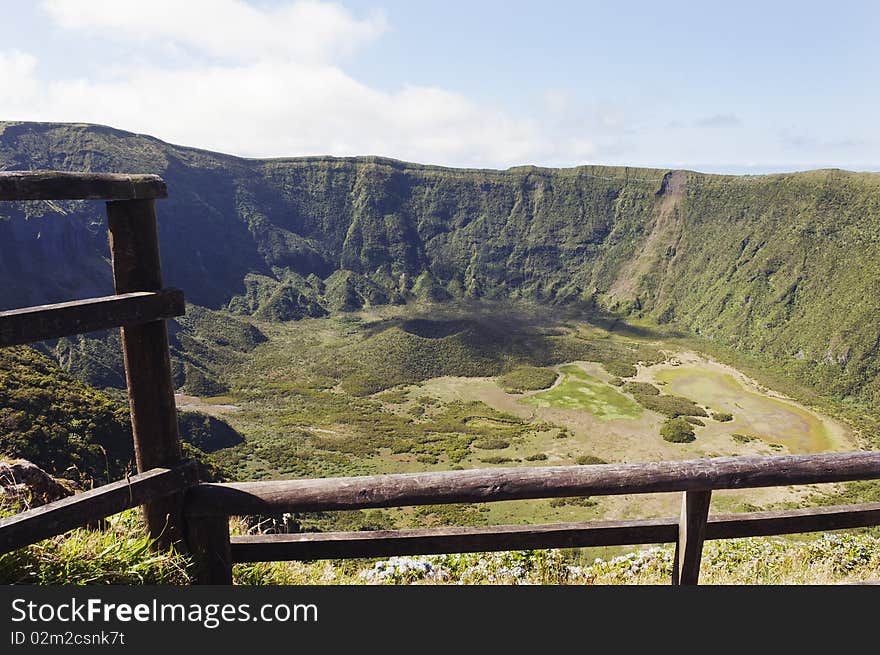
point(491, 444)
point(491, 341)
point(207, 433)
point(573, 501)
point(828, 559)
point(677, 430)
point(579, 390)
point(671, 406)
point(293, 317)
point(641, 389)
point(584, 460)
point(527, 378)
point(59, 423)
point(749, 262)
point(119, 554)
point(76, 432)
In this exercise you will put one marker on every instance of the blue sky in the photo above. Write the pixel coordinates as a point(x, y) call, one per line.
point(726, 87)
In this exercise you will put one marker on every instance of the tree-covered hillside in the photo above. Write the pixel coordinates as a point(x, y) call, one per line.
point(786, 266)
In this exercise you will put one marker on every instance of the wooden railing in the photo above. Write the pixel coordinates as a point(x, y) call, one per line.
point(194, 517)
point(210, 505)
point(139, 307)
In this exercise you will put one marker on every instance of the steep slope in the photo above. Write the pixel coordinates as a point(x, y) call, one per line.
point(782, 265)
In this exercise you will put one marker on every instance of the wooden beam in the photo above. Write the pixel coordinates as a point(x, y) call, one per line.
point(76, 511)
point(793, 521)
point(134, 246)
point(691, 534)
point(208, 542)
point(43, 322)
point(432, 541)
point(59, 185)
point(489, 485)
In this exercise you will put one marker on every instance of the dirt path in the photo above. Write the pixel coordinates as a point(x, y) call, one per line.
point(196, 404)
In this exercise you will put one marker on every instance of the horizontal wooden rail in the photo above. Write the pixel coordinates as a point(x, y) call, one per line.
point(435, 541)
point(56, 185)
point(33, 324)
point(489, 485)
point(75, 511)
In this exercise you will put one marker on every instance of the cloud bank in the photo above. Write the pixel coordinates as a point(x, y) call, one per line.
point(263, 82)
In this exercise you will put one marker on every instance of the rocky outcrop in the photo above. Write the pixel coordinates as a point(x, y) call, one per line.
point(24, 485)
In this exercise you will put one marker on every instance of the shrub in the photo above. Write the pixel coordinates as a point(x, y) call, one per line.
point(489, 443)
point(722, 417)
point(742, 438)
point(584, 460)
point(677, 430)
point(577, 501)
point(694, 421)
point(427, 459)
point(495, 459)
point(641, 389)
point(528, 378)
point(537, 457)
point(620, 369)
point(616, 381)
point(670, 406)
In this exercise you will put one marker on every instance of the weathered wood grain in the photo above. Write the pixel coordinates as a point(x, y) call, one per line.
point(134, 245)
point(78, 510)
point(489, 485)
point(432, 541)
point(208, 543)
point(691, 534)
point(33, 324)
point(59, 185)
point(793, 521)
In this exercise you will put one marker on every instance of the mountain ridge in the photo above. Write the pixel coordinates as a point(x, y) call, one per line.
point(782, 265)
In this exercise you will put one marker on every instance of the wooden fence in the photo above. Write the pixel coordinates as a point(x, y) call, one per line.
point(193, 517)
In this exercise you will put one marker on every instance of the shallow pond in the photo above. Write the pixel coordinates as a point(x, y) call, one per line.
point(772, 419)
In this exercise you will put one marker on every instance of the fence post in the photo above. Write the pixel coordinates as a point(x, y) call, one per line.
point(134, 246)
point(691, 533)
point(208, 539)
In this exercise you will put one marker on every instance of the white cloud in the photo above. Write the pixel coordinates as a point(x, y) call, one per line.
point(228, 29)
point(268, 82)
point(273, 108)
point(19, 87)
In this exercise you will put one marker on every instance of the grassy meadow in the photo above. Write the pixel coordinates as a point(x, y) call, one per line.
point(403, 389)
